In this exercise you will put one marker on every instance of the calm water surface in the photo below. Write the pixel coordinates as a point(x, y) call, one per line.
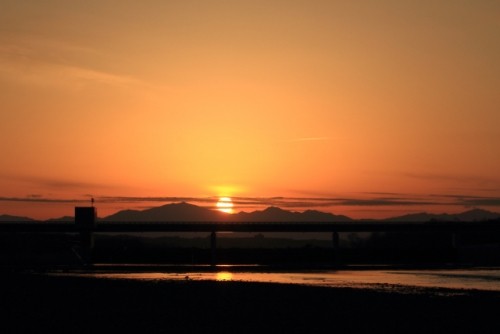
point(480, 279)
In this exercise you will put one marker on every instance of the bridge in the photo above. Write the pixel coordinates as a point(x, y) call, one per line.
point(86, 225)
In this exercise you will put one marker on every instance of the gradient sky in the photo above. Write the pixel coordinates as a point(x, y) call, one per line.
point(365, 108)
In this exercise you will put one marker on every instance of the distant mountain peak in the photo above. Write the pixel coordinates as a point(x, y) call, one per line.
point(478, 211)
point(180, 205)
point(173, 212)
point(272, 209)
point(276, 214)
point(467, 216)
point(477, 214)
point(61, 219)
point(9, 218)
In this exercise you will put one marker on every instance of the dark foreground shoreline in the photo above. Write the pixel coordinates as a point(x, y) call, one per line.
point(36, 303)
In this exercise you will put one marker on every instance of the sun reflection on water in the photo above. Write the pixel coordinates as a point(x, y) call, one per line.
point(224, 276)
point(478, 279)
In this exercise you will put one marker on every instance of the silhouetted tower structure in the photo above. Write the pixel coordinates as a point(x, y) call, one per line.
point(85, 218)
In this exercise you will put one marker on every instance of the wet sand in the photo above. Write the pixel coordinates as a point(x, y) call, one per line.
point(43, 304)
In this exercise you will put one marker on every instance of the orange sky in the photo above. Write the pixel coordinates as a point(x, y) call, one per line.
point(386, 100)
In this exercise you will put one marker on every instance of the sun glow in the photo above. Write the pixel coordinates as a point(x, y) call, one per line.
point(225, 205)
point(224, 276)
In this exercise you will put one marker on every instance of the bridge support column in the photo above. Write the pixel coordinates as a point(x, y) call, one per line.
point(213, 248)
point(85, 219)
point(336, 248)
point(455, 244)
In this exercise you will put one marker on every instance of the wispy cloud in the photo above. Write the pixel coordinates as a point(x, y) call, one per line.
point(64, 76)
point(480, 201)
point(168, 199)
point(387, 202)
point(307, 139)
point(43, 61)
point(290, 203)
point(29, 199)
point(87, 74)
point(318, 202)
point(56, 183)
point(462, 178)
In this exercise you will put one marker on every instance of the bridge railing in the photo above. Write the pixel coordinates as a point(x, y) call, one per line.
point(86, 225)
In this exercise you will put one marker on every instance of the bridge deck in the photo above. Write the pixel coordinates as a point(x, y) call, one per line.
point(44, 227)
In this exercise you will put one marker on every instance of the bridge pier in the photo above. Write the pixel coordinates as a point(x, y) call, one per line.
point(455, 240)
point(213, 248)
point(336, 248)
point(85, 219)
point(455, 244)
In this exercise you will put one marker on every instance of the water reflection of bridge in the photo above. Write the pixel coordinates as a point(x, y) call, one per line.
point(85, 225)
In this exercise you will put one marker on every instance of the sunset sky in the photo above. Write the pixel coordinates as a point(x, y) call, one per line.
point(364, 108)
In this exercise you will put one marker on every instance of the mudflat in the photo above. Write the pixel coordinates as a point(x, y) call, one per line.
point(37, 303)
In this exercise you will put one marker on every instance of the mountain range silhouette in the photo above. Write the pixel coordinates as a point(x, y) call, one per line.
point(180, 212)
point(177, 212)
point(9, 218)
point(467, 216)
point(185, 212)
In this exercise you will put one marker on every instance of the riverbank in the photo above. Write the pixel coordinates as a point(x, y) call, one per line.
point(41, 303)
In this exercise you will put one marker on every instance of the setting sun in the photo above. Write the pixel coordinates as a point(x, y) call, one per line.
point(225, 205)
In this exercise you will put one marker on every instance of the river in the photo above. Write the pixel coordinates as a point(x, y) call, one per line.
point(477, 278)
